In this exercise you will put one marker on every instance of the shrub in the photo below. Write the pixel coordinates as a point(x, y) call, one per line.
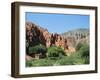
point(28, 63)
point(86, 60)
point(78, 46)
point(66, 60)
point(85, 53)
point(78, 59)
point(38, 49)
point(55, 51)
point(84, 50)
point(82, 56)
point(40, 62)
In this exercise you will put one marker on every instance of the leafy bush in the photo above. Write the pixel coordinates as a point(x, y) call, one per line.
point(66, 60)
point(79, 61)
point(40, 62)
point(86, 60)
point(78, 46)
point(84, 50)
point(37, 49)
point(82, 56)
point(85, 53)
point(55, 51)
point(29, 64)
point(56, 57)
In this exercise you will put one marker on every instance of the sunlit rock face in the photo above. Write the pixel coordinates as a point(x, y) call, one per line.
point(37, 35)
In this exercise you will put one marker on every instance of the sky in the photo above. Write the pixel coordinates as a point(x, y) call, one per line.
point(58, 23)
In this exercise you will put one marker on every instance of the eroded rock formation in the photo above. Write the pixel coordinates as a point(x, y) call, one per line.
point(38, 35)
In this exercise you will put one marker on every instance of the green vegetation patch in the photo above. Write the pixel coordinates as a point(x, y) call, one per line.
point(56, 56)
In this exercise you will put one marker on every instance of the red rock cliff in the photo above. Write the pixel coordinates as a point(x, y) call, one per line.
point(38, 35)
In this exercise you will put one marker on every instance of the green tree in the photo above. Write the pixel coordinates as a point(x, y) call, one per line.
point(55, 51)
point(38, 49)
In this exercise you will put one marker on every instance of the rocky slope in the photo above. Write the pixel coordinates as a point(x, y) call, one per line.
point(77, 36)
point(38, 35)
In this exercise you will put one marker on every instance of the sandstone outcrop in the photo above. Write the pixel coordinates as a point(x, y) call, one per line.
point(38, 35)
